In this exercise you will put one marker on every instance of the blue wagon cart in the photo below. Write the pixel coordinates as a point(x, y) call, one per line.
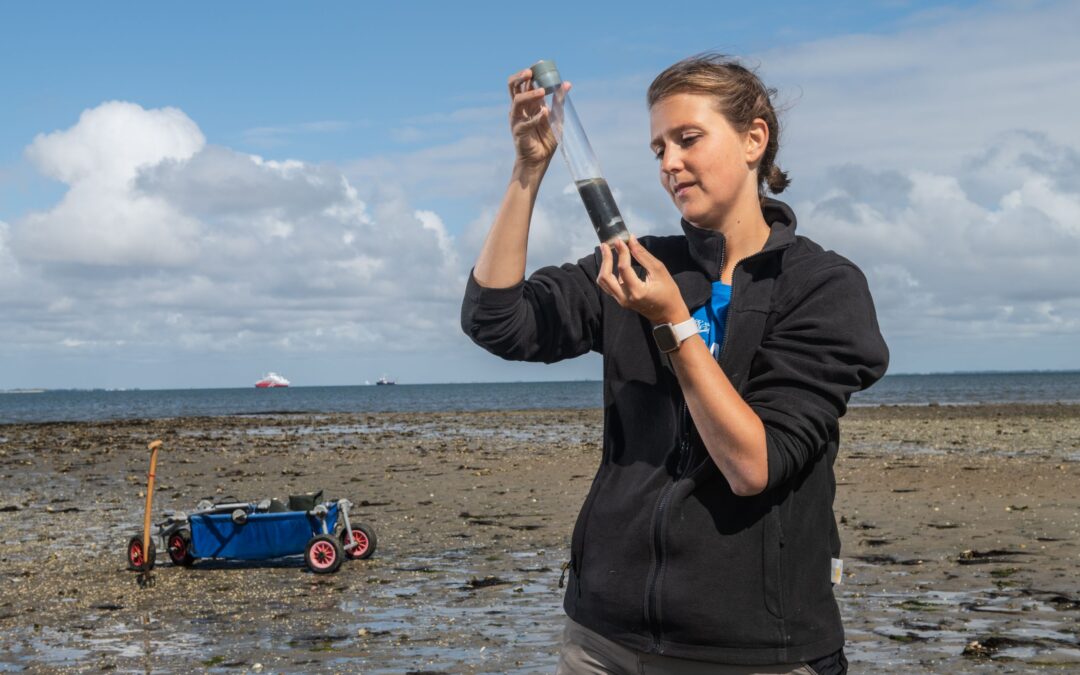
point(235, 530)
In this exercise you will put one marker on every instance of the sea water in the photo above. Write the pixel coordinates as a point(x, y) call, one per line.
point(72, 405)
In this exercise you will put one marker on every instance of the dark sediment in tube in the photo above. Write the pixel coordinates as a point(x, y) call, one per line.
point(604, 213)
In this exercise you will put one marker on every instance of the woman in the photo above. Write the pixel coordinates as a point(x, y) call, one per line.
point(707, 539)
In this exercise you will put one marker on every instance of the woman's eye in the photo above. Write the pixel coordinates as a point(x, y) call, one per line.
point(658, 154)
point(689, 140)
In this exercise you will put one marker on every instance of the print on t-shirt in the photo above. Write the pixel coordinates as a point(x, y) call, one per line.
point(712, 317)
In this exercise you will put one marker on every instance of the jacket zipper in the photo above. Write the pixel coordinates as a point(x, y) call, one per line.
point(652, 594)
point(685, 451)
point(731, 300)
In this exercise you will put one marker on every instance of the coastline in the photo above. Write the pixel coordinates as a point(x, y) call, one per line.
point(958, 525)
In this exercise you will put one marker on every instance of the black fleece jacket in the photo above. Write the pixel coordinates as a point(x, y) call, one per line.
point(665, 558)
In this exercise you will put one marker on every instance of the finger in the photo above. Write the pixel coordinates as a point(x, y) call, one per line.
point(531, 125)
point(629, 279)
point(528, 96)
point(606, 280)
point(537, 120)
point(526, 99)
point(642, 255)
point(515, 81)
point(605, 264)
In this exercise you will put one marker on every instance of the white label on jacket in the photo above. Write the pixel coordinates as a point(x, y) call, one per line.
point(837, 570)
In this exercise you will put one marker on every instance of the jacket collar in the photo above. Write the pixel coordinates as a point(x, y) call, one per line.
point(707, 246)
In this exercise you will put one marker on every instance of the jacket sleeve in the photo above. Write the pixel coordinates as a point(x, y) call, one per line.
point(824, 345)
point(553, 315)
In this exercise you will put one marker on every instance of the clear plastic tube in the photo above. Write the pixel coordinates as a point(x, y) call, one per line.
point(579, 156)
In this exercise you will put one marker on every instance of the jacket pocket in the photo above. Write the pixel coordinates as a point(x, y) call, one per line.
point(577, 539)
point(772, 558)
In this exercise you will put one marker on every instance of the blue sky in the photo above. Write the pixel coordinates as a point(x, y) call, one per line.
point(193, 195)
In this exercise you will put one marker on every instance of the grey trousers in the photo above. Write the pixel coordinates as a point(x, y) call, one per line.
point(586, 652)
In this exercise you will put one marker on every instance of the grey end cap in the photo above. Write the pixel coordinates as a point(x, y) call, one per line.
point(545, 74)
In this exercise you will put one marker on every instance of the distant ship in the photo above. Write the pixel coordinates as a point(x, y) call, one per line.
point(384, 380)
point(272, 380)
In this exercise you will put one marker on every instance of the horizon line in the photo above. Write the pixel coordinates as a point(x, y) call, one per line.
point(490, 382)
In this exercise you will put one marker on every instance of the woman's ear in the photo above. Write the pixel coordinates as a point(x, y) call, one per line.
point(757, 138)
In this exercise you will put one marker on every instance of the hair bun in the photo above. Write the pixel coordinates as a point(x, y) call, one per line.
point(777, 180)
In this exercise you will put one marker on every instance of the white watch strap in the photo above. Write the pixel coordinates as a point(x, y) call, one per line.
point(685, 329)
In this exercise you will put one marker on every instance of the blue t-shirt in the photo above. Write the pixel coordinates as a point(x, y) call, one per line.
point(712, 317)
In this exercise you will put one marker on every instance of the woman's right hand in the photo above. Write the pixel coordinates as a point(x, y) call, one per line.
point(501, 263)
point(530, 124)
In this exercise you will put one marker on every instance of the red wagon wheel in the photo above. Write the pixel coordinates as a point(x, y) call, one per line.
point(323, 554)
point(138, 559)
point(365, 542)
point(180, 548)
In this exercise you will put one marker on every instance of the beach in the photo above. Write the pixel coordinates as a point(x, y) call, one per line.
point(960, 529)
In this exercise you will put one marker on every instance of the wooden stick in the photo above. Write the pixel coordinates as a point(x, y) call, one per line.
point(153, 447)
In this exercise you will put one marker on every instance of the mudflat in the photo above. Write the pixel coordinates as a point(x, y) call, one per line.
point(961, 532)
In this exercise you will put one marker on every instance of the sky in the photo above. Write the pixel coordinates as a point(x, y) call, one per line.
point(193, 195)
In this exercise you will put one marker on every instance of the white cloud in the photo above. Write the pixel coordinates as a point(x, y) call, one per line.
point(942, 261)
point(9, 265)
point(473, 166)
point(164, 240)
point(111, 142)
point(102, 219)
point(431, 221)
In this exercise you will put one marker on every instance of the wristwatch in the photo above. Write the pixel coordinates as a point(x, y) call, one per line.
point(669, 336)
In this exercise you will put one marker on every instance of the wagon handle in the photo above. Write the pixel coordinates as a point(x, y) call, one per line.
point(153, 448)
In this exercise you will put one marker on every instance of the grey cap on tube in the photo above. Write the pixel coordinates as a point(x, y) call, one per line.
point(546, 75)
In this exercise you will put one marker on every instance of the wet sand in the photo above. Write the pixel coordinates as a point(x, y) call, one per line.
point(960, 525)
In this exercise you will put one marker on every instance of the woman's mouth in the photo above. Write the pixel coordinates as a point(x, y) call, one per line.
point(679, 189)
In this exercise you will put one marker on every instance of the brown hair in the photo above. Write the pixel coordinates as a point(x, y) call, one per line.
point(740, 96)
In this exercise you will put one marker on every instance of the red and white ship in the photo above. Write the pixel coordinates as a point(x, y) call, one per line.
point(272, 380)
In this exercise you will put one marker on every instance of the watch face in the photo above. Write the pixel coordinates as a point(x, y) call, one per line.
point(665, 338)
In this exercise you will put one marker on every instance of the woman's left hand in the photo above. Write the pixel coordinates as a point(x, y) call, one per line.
point(657, 298)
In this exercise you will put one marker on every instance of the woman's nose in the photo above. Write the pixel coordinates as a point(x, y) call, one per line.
point(671, 162)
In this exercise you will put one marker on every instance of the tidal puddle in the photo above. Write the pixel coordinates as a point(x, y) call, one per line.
point(947, 631)
point(437, 620)
point(143, 638)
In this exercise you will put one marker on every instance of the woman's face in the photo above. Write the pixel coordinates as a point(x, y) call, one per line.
point(705, 164)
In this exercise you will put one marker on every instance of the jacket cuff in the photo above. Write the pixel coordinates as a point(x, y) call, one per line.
point(777, 457)
point(492, 297)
